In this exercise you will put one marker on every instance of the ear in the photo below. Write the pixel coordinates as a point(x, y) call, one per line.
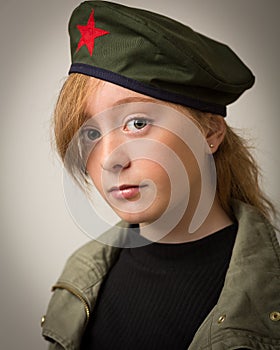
point(216, 133)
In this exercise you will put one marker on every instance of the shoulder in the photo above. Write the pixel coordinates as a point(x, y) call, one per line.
point(92, 260)
point(254, 229)
point(76, 291)
point(248, 307)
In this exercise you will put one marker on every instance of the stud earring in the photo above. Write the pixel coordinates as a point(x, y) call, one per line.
point(211, 145)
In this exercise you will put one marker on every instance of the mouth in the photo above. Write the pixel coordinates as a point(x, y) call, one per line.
point(126, 191)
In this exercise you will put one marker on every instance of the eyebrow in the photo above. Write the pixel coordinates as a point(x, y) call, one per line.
point(127, 100)
point(133, 99)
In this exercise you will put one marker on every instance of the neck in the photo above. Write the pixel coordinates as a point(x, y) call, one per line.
point(216, 220)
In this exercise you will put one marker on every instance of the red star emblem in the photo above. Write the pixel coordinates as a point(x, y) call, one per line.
point(89, 33)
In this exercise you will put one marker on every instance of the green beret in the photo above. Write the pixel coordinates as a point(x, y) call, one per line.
point(156, 56)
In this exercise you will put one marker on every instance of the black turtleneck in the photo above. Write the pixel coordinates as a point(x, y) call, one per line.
point(156, 296)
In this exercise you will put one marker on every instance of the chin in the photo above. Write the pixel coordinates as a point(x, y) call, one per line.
point(130, 218)
point(138, 218)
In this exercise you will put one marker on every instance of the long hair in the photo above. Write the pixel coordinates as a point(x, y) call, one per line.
point(238, 175)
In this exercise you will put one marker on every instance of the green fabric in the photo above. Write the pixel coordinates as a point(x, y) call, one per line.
point(159, 52)
point(250, 294)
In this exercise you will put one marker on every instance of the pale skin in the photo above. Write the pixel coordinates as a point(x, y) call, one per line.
point(132, 173)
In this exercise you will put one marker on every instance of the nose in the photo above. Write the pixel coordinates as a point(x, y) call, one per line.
point(114, 155)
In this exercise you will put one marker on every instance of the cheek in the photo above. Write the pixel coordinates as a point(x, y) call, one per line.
point(187, 158)
point(158, 174)
point(95, 173)
point(191, 165)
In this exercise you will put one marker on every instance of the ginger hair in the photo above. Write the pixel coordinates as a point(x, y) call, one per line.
point(238, 175)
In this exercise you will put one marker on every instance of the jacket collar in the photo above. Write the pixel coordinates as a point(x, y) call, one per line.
point(244, 312)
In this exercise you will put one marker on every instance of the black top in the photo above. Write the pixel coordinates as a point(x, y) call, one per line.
point(156, 296)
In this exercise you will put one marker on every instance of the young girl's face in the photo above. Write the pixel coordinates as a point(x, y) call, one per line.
point(139, 161)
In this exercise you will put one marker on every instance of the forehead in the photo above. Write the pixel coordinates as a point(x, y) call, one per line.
point(106, 95)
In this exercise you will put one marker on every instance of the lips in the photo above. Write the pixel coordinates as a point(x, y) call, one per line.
point(125, 191)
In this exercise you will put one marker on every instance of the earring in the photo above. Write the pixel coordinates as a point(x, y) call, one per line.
point(211, 145)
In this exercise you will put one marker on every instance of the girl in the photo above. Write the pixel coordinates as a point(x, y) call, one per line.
point(194, 262)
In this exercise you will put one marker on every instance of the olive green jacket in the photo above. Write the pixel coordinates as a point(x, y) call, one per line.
point(246, 316)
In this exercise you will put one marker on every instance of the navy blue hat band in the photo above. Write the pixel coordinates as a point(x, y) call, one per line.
point(145, 89)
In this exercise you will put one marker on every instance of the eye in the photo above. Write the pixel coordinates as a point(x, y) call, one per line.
point(90, 134)
point(136, 124)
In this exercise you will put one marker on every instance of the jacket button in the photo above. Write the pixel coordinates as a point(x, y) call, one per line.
point(275, 316)
point(222, 319)
point(43, 319)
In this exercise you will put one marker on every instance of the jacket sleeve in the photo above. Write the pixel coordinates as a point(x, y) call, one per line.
point(55, 346)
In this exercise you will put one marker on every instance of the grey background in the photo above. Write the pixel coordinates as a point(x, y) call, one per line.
point(37, 232)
